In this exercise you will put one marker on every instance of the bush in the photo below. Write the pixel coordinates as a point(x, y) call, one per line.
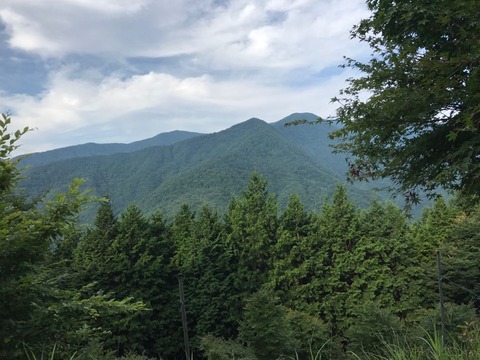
point(372, 328)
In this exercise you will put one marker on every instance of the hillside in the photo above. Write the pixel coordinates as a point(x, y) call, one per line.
point(93, 149)
point(207, 169)
point(313, 140)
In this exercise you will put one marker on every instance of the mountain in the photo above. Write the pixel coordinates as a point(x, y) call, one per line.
point(203, 169)
point(313, 140)
point(93, 149)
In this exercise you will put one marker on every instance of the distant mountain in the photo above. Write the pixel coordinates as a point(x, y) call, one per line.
point(206, 169)
point(313, 140)
point(93, 149)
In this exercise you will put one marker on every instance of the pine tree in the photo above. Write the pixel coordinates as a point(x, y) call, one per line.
point(386, 259)
point(91, 257)
point(139, 269)
point(429, 235)
point(251, 227)
point(215, 280)
point(339, 231)
point(293, 254)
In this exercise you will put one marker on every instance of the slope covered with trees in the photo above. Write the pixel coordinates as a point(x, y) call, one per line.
point(93, 149)
point(203, 169)
point(264, 281)
point(260, 282)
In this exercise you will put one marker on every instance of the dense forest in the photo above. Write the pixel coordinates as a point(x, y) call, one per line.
point(165, 172)
point(259, 283)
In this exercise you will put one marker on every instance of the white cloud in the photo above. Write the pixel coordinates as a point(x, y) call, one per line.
point(106, 6)
point(126, 109)
point(223, 63)
point(237, 33)
point(26, 33)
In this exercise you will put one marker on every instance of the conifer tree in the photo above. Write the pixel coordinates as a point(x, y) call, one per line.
point(387, 261)
point(138, 269)
point(251, 227)
point(429, 235)
point(207, 278)
point(293, 255)
point(339, 231)
point(183, 237)
point(265, 328)
point(215, 280)
point(91, 257)
point(460, 260)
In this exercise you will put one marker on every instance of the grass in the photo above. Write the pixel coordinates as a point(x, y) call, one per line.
point(430, 347)
point(43, 356)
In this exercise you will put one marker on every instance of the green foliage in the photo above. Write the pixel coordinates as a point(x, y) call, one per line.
point(136, 266)
point(428, 347)
point(456, 318)
point(294, 253)
point(204, 169)
point(338, 229)
point(251, 227)
point(373, 326)
point(310, 335)
point(257, 285)
point(419, 125)
point(219, 349)
point(208, 277)
point(253, 221)
point(38, 305)
point(264, 327)
point(387, 269)
point(91, 254)
point(460, 254)
point(8, 143)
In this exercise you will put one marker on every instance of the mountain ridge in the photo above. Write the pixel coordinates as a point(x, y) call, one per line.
point(203, 169)
point(93, 149)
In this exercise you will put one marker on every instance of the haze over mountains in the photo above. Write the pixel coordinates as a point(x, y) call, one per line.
point(171, 169)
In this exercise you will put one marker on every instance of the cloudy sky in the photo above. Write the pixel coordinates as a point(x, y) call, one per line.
point(122, 70)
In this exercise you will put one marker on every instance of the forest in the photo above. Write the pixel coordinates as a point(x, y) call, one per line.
point(259, 283)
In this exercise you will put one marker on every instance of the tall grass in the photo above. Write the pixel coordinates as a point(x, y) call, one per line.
point(430, 347)
point(43, 355)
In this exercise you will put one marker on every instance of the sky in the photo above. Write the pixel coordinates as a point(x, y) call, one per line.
point(78, 71)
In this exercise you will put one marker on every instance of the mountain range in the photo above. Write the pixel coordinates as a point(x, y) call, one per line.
point(176, 168)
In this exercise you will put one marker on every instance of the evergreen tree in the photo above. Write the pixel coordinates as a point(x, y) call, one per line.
point(138, 269)
point(91, 257)
point(339, 231)
point(460, 260)
point(265, 329)
point(293, 255)
point(165, 304)
point(213, 277)
point(429, 235)
point(250, 226)
point(386, 259)
point(202, 260)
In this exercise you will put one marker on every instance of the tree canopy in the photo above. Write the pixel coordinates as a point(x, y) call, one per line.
point(414, 112)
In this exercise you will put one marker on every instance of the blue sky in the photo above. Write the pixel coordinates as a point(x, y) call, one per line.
point(122, 70)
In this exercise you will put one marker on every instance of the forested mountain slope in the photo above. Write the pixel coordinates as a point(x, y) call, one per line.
point(313, 140)
point(93, 149)
point(199, 170)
